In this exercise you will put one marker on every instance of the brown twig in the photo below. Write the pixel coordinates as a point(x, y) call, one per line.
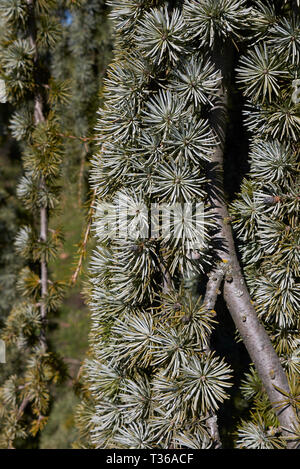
point(74, 137)
point(83, 245)
point(81, 171)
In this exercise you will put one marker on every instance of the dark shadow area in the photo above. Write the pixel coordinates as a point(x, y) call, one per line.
point(224, 342)
point(236, 164)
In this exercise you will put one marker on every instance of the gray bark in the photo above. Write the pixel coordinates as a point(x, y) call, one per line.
point(210, 299)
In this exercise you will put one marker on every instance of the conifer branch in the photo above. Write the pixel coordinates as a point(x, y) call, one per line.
point(153, 379)
point(236, 294)
point(40, 118)
point(211, 294)
point(74, 137)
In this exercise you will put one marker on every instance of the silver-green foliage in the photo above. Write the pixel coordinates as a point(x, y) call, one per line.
point(150, 380)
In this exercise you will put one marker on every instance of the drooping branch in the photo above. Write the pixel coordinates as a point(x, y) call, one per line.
point(39, 118)
point(236, 294)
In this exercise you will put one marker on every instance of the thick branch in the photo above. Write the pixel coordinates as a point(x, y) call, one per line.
point(236, 295)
